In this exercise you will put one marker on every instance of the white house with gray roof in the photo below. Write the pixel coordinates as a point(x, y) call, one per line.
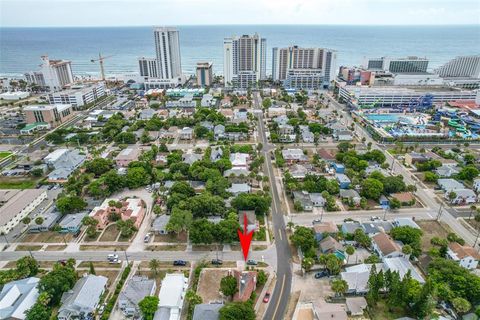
point(17, 297)
point(136, 288)
point(171, 297)
point(81, 301)
point(207, 311)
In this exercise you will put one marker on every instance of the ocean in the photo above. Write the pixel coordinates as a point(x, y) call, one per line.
point(21, 48)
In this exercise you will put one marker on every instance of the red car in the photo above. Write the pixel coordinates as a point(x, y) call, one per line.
point(267, 297)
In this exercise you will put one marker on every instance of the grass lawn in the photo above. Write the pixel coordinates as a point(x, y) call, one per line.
point(207, 247)
point(127, 239)
point(432, 228)
point(85, 247)
point(4, 154)
point(98, 264)
point(86, 238)
point(145, 265)
point(22, 247)
point(48, 237)
point(259, 247)
point(56, 247)
point(110, 274)
point(17, 183)
point(110, 234)
point(172, 237)
point(170, 247)
point(381, 312)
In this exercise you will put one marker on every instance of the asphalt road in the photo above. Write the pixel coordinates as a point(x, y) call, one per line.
point(281, 293)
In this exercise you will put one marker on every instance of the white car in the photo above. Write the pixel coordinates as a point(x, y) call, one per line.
point(112, 257)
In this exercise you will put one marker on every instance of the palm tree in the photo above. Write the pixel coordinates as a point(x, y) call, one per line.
point(290, 225)
point(26, 220)
point(39, 220)
point(407, 249)
point(154, 264)
point(349, 251)
point(339, 286)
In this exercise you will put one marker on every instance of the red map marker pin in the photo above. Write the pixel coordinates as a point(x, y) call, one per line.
point(245, 237)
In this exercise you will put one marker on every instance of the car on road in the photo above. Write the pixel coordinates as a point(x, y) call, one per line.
point(112, 256)
point(251, 262)
point(316, 221)
point(146, 239)
point(181, 263)
point(115, 261)
point(266, 298)
point(374, 218)
point(217, 262)
point(321, 274)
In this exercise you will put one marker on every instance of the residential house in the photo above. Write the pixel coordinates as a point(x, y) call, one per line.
point(216, 154)
point(356, 306)
point(446, 171)
point(219, 132)
point(276, 111)
point(331, 245)
point(247, 282)
point(402, 265)
point(239, 173)
point(462, 196)
point(294, 156)
point(298, 171)
point(252, 224)
point(81, 301)
point(186, 133)
point(17, 297)
point(50, 218)
point(146, 114)
point(401, 222)
point(343, 180)
point(287, 138)
point(127, 155)
point(71, 223)
point(239, 160)
point(449, 185)
point(476, 185)
point(161, 159)
point(131, 209)
point(326, 155)
point(281, 120)
point(303, 198)
point(136, 288)
point(465, 255)
point(239, 188)
point(64, 165)
point(386, 247)
point(171, 297)
point(338, 167)
point(198, 186)
point(308, 137)
point(159, 225)
point(350, 195)
point(285, 129)
point(207, 125)
point(343, 135)
point(414, 157)
point(349, 227)
point(191, 158)
point(207, 311)
point(383, 201)
point(317, 199)
point(324, 228)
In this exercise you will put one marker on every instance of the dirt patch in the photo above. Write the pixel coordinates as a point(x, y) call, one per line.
point(169, 247)
point(235, 247)
point(56, 247)
point(259, 247)
point(126, 239)
point(84, 247)
point(23, 247)
point(48, 237)
point(292, 303)
point(92, 239)
point(98, 264)
point(206, 247)
point(209, 285)
point(110, 234)
point(432, 228)
point(110, 274)
point(161, 265)
point(171, 237)
point(473, 223)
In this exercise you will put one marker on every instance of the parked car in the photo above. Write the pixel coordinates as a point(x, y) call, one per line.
point(146, 239)
point(266, 298)
point(321, 274)
point(251, 262)
point(316, 221)
point(180, 263)
point(112, 256)
point(217, 262)
point(115, 261)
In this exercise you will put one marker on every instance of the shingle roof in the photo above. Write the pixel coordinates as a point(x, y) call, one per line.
point(385, 244)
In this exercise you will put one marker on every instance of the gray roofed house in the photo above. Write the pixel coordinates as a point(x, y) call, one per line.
point(72, 222)
point(298, 171)
point(446, 171)
point(17, 297)
point(448, 185)
point(65, 165)
point(350, 194)
point(282, 119)
point(50, 218)
point(159, 225)
point(303, 197)
point(294, 155)
point(190, 158)
point(136, 288)
point(356, 305)
point(207, 125)
point(317, 199)
point(236, 172)
point(238, 188)
point(219, 131)
point(330, 245)
point(171, 296)
point(83, 298)
point(400, 222)
point(207, 311)
point(216, 154)
point(186, 133)
point(146, 114)
point(349, 227)
point(343, 135)
point(370, 228)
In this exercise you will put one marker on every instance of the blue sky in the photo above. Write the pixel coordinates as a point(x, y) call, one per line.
point(40, 13)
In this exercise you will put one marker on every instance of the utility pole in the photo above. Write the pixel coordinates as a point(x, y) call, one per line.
point(476, 239)
point(126, 256)
point(440, 211)
point(321, 215)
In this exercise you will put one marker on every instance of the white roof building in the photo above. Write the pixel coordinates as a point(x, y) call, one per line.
point(17, 297)
point(171, 297)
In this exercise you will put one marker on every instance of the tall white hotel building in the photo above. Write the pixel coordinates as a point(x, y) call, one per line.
point(304, 68)
point(165, 70)
point(464, 67)
point(244, 60)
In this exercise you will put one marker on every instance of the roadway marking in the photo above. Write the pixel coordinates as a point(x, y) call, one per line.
point(280, 234)
point(279, 297)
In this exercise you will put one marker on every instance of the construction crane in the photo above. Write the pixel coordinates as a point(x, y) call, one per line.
point(100, 61)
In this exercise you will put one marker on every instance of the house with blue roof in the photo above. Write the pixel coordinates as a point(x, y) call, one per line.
point(343, 181)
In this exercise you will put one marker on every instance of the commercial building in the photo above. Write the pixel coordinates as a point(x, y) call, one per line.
point(204, 74)
point(354, 75)
point(397, 65)
point(244, 60)
point(53, 114)
point(165, 70)
point(461, 67)
point(388, 96)
point(17, 297)
point(17, 95)
point(81, 301)
point(171, 297)
point(18, 206)
point(79, 95)
point(54, 74)
point(304, 68)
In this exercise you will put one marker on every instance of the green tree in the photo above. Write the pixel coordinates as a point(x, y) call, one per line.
point(127, 228)
point(193, 299)
point(407, 249)
point(372, 188)
point(261, 277)
point(408, 236)
point(303, 238)
point(228, 286)
point(39, 220)
point(461, 305)
point(237, 311)
point(99, 166)
point(430, 177)
point(339, 286)
point(180, 220)
point(91, 268)
point(349, 250)
point(70, 204)
point(362, 238)
point(252, 201)
point(137, 177)
point(333, 263)
point(202, 231)
point(26, 220)
point(27, 267)
point(38, 312)
point(154, 264)
point(307, 264)
point(468, 173)
point(148, 306)
point(61, 279)
point(373, 287)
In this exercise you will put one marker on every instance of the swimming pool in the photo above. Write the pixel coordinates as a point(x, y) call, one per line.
point(388, 118)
